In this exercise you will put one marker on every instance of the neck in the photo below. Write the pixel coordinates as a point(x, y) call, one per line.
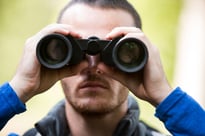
point(94, 125)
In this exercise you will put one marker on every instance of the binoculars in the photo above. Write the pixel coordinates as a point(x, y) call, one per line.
point(55, 51)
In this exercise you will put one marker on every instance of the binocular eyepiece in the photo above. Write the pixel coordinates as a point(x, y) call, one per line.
point(55, 51)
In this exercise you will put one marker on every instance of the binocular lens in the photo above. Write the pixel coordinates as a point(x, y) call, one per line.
point(55, 51)
point(130, 55)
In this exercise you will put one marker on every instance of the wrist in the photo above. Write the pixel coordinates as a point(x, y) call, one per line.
point(19, 89)
point(160, 95)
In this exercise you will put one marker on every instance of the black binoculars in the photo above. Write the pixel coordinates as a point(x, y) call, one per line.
point(55, 51)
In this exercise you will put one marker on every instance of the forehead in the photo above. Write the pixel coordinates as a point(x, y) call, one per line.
point(87, 20)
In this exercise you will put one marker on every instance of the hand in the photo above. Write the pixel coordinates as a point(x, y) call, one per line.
point(31, 78)
point(150, 84)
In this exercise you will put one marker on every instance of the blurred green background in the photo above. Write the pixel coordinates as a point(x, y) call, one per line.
point(21, 19)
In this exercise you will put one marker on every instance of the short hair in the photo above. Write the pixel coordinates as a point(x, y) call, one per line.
point(107, 4)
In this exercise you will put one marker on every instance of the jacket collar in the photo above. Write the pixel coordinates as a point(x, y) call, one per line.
point(55, 123)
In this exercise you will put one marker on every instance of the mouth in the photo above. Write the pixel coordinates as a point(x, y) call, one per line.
point(93, 84)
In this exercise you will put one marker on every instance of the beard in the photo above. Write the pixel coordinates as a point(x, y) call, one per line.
point(96, 109)
point(95, 103)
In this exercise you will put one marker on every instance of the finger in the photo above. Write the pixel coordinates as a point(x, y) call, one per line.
point(63, 29)
point(122, 31)
point(53, 28)
point(143, 38)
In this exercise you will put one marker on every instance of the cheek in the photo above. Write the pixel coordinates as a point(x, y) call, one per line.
point(119, 90)
point(69, 85)
point(120, 94)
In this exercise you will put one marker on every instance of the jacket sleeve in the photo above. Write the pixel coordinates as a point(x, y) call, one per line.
point(182, 115)
point(10, 104)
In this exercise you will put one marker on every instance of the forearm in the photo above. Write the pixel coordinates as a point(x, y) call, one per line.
point(10, 104)
point(181, 114)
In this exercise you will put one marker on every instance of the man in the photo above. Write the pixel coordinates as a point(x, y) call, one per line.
point(97, 97)
point(95, 103)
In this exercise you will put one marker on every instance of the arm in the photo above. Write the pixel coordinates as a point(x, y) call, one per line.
point(31, 78)
point(181, 114)
point(10, 104)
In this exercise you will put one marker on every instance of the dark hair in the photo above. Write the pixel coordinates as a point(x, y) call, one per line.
point(109, 4)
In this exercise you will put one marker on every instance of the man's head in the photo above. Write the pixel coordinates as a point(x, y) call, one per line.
point(90, 90)
point(107, 4)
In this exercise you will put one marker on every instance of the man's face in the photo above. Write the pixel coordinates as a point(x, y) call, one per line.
point(90, 90)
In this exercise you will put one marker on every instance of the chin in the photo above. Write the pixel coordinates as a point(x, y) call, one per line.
point(94, 105)
point(97, 103)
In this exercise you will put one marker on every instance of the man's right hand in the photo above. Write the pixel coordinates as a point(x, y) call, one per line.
point(31, 78)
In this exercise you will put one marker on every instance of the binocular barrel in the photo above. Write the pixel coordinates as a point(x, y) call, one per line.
point(55, 51)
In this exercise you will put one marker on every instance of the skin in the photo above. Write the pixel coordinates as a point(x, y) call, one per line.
point(95, 92)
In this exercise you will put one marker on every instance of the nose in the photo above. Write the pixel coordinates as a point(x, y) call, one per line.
point(93, 61)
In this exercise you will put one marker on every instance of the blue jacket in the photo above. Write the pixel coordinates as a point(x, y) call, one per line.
point(182, 115)
point(10, 104)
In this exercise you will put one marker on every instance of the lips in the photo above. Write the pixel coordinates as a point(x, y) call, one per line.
point(92, 84)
